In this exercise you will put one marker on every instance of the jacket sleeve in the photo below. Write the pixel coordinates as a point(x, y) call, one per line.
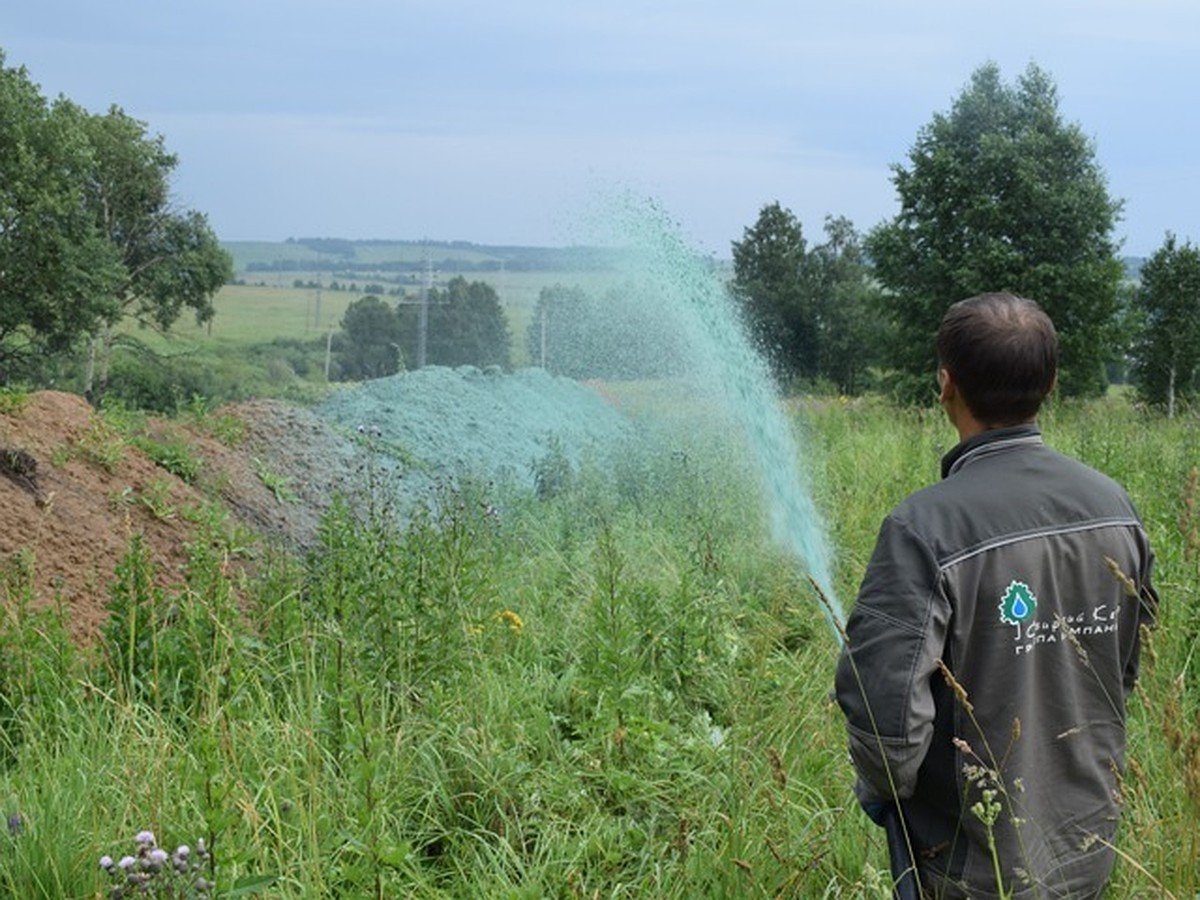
point(894, 636)
point(1147, 615)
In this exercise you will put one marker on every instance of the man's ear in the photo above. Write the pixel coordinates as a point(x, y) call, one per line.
point(946, 386)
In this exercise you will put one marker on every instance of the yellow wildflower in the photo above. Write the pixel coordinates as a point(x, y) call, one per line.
point(515, 622)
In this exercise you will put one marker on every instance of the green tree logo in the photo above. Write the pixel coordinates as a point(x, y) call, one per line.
point(1018, 604)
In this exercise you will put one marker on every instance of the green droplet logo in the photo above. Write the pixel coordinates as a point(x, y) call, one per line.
point(1018, 604)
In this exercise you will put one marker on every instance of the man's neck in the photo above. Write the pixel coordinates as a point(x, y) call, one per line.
point(968, 426)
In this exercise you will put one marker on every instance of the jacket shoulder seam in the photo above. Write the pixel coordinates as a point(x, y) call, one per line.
point(1019, 537)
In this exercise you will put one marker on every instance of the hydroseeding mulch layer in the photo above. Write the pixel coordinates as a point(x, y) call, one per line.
point(414, 433)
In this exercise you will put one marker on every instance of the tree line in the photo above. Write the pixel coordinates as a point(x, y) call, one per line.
point(371, 255)
point(460, 324)
point(999, 193)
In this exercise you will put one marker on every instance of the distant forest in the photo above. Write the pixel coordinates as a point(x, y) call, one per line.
point(322, 254)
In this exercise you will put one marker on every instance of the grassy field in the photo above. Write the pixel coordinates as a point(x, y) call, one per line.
point(267, 307)
point(617, 689)
point(281, 329)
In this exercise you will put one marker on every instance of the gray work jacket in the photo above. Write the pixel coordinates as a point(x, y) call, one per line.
point(1003, 571)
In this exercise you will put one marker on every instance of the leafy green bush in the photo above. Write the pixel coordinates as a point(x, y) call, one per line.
point(159, 384)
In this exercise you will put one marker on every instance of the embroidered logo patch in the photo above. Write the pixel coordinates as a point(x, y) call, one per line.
point(1018, 604)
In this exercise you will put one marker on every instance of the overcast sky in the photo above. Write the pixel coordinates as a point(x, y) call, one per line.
point(494, 122)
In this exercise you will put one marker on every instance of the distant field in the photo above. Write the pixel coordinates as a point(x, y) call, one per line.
point(517, 273)
point(255, 313)
point(266, 305)
point(514, 288)
point(268, 252)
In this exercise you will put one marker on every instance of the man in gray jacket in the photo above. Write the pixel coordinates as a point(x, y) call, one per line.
point(995, 638)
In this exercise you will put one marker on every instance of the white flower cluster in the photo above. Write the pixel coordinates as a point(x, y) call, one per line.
point(152, 872)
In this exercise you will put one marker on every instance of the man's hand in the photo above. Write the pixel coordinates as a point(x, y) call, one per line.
point(877, 810)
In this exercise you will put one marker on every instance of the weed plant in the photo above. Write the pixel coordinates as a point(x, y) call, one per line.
point(616, 688)
point(12, 401)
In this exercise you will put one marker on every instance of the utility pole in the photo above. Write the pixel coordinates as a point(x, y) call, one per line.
point(543, 317)
point(423, 312)
point(328, 350)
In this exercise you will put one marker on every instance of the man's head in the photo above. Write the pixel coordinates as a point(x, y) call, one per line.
point(1001, 354)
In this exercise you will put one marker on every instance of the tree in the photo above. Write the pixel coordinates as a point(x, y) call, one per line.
point(170, 259)
point(57, 273)
point(773, 285)
point(808, 310)
point(622, 335)
point(1001, 194)
point(846, 304)
point(370, 344)
point(1166, 354)
point(87, 233)
point(557, 337)
point(466, 326)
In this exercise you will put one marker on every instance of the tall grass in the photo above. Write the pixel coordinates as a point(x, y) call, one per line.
point(615, 688)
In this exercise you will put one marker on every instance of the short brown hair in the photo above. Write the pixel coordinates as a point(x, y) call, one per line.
point(1002, 352)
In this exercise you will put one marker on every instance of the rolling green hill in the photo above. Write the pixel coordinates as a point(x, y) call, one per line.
point(384, 257)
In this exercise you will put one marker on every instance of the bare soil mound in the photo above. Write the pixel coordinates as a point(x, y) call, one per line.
point(73, 500)
point(73, 493)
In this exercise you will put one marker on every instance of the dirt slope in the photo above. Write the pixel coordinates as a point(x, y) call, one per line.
point(70, 508)
point(73, 493)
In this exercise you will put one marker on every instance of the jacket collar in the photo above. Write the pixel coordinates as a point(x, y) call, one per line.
point(986, 442)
